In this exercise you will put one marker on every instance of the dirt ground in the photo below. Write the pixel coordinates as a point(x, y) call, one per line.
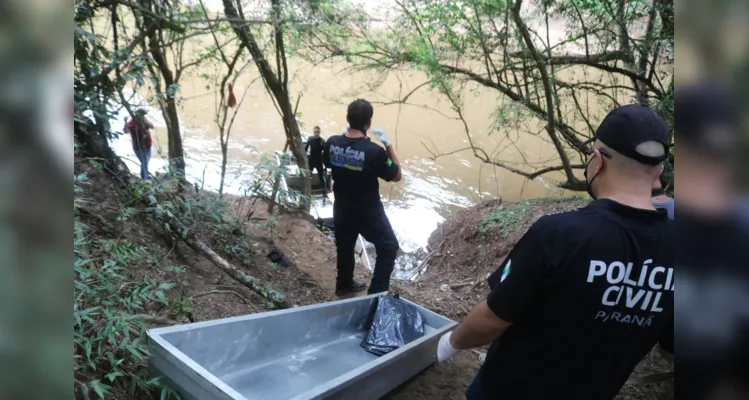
point(461, 258)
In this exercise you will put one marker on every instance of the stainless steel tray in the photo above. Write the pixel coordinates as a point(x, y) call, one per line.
point(310, 352)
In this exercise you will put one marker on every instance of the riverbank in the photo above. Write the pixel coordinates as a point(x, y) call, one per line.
point(156, 278)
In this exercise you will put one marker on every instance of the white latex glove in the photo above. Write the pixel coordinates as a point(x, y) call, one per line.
point(381, 136)
point(345, 130)
point(444, 350)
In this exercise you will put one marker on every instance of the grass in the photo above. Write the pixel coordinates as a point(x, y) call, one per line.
point(110, 350)
point(506, 218)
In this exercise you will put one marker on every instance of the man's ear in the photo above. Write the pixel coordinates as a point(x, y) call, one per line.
point(599, 166)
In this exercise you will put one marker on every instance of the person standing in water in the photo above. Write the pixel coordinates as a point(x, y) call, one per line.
point(357, 165)
point(315, 146)
point(138, 127)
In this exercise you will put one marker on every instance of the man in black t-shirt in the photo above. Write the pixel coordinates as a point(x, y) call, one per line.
point(356, 164)
point(315, 146)
point(586, 294)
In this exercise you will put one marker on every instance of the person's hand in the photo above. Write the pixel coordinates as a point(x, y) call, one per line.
point(345, 130)
point(381, 136)
point(444, 350)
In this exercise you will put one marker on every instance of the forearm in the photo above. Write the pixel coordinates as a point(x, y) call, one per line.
point(480, 327)
point(393, 156)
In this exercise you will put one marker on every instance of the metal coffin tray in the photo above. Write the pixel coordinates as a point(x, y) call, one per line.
point(310, 352)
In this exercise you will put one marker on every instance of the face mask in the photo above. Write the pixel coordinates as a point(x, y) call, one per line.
point(589, 184)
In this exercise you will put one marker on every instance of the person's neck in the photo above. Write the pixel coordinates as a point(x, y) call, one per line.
point(355, 134)
point(635, 198)
point(659, 194)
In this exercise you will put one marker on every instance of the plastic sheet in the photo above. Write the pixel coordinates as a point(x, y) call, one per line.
point(395, 324)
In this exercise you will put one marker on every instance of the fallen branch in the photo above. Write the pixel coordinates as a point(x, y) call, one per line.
point(244, 299)
point(278, 298)
point(425, 262)
point(156, 320)
point(95, 146)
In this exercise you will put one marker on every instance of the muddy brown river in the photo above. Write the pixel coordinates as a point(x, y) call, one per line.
point(432, 188)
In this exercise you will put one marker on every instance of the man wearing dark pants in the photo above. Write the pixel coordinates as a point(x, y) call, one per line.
point(315, 146)
point(356, 164)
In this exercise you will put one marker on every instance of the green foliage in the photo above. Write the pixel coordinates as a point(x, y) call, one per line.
point(505, 217)
point(110, 351)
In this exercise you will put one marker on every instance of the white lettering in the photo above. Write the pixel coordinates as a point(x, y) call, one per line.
point(610, 275)
point(669, 281)
point(639, 320)
point(627, 274)
point(644, 272)
point(645, 303)
point(656, 302)
point(632, 301)
point(597, 268)
point(651, 281)
point(606, 301)
point(600, 314)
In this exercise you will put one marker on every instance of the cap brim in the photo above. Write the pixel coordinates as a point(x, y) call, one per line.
point(589, 141)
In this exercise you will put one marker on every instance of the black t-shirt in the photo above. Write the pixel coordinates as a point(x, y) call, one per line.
point(315, 147)
point(589, 293)
point(712, 304)
point(356, 165)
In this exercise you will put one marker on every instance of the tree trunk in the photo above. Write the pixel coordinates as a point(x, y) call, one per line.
point(548, 91)
point(176, 152)
point(224, 149)
point(167, 102)
point(276, 87)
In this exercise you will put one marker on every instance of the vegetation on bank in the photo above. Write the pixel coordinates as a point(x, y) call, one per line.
point(506, 217)
point(134, 241)
point(133, 270)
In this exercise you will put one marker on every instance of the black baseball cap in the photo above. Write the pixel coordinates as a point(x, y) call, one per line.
point(626, 127)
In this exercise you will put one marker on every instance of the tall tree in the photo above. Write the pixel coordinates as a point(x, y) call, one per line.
point(611, 52)
point(276, 81)
point(174, 25)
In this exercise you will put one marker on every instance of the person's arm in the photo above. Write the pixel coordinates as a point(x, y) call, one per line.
point(306, 145)
point(326, 155)
point(148, 124)
point(385, 167)
point(514, 287)
point(480, 327)
point(394, 158)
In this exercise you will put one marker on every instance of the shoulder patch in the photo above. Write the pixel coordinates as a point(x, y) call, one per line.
point(506, 271)
point(390, 163)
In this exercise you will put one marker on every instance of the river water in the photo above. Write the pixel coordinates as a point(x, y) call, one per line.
point(432, 189)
